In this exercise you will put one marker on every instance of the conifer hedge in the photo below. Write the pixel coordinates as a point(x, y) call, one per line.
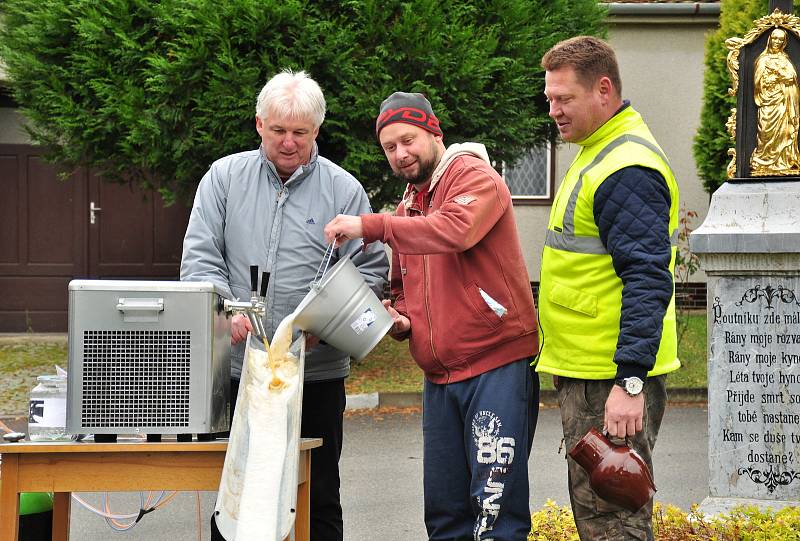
point(153, 92)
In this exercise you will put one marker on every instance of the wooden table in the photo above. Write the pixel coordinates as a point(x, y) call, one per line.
point(125, 466)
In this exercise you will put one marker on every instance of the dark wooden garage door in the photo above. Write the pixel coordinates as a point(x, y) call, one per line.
point(48, 237)
point(134, 235)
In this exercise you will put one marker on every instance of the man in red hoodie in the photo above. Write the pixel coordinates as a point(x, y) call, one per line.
point(463, 299)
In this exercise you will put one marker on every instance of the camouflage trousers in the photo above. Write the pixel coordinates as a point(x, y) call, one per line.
point(582, 404)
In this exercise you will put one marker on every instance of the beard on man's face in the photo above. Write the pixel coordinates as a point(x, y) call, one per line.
point(423, 174)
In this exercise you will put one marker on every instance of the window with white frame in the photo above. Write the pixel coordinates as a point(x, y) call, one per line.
point(531, 178)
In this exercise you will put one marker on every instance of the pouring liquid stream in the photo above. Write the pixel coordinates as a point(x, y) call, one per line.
point(276, 382)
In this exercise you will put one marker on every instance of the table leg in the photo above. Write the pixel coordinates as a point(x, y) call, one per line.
point(9, 498)
point(302, 528)
point(61, 510)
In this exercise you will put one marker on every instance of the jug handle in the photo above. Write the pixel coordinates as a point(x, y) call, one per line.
point(605, 434)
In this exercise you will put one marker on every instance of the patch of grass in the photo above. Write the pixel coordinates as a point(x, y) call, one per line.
point(21, 361)
point(692, 353)
point(390, 368)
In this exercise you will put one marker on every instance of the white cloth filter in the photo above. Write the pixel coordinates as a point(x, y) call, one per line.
point(258, 489)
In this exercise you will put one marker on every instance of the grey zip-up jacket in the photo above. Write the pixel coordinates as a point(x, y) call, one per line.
point(244, 215)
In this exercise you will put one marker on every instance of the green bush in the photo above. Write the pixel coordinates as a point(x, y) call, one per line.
point(554, 523)
point(153, 92)
point(712, 141)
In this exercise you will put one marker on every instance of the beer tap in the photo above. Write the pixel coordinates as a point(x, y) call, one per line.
point(255, 309)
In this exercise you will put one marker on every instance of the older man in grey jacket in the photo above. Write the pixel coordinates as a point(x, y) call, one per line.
point(268, 207)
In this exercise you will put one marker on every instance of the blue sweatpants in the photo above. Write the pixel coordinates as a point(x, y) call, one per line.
point(477, 437)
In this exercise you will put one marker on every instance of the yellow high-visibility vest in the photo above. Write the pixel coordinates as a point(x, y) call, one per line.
point(580, 294)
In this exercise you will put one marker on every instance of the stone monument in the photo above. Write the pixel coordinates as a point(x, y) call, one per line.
point(749, 246)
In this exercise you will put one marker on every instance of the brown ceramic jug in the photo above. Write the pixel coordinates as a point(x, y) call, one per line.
point(616, 472)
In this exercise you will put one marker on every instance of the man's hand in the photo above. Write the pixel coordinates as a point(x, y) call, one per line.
point(343, 228)
point(401, 323)
point(623, 413)
point(240, 326)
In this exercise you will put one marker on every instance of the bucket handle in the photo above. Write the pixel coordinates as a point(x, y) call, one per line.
point(326, 260)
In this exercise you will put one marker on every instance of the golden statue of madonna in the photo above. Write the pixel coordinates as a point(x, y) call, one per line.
point(777, 96)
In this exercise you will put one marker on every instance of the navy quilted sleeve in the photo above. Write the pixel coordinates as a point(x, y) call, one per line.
point(631, 209)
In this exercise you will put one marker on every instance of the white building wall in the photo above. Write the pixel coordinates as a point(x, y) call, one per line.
point(11, 131)
point(661, 63)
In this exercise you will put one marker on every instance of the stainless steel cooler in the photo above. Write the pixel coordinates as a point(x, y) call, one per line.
point(147, 357)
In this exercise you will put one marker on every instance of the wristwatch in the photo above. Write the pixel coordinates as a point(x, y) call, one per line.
point(633, 386)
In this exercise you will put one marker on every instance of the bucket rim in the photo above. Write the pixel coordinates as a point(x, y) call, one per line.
point(316, 287)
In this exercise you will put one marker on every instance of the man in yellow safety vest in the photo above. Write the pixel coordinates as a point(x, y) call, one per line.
point(606, 296)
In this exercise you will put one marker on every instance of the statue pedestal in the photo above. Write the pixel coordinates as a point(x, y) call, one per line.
point(750, 180)
point(749, 246)
point(714, 507)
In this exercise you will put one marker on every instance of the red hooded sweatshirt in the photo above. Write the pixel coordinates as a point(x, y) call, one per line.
point(457, 270)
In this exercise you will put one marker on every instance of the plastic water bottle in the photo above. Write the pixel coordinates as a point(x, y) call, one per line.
point(48, 409)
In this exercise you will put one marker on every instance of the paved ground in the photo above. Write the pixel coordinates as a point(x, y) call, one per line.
point(382, 460)
point(381, 472)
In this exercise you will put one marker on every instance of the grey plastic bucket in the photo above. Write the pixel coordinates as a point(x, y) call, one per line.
point(344, 312)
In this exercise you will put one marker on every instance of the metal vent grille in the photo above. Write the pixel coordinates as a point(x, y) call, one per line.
point(135, 378)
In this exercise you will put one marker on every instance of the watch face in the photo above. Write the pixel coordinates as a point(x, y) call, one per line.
point(633, 386)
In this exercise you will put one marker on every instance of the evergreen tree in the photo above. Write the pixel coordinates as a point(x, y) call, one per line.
point(153, 92)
